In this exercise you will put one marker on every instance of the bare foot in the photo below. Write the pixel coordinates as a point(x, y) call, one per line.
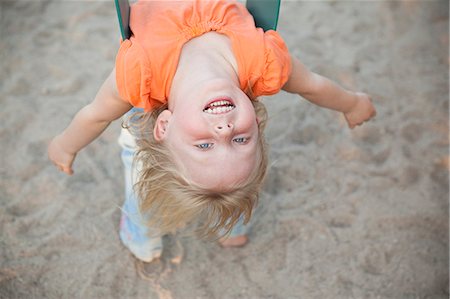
point(237, 241)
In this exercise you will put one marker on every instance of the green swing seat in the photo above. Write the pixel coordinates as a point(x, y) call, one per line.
point(265, 13)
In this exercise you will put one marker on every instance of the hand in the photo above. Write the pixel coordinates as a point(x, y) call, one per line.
point(362, 111)
point(62, 159)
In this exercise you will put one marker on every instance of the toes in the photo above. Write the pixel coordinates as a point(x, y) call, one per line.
point(238, 241)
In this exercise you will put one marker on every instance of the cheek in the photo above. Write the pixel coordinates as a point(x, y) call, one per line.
point(191, 127)
point(249, 120)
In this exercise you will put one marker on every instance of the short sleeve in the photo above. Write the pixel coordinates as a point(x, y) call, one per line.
point(277, 68)
point(133, 75)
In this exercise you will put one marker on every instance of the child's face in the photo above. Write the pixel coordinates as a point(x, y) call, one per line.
point(214, 141)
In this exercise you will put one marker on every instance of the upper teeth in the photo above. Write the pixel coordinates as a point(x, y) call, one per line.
point(219, 109)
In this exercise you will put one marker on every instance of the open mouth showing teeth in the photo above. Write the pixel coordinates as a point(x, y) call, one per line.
point(219, 106)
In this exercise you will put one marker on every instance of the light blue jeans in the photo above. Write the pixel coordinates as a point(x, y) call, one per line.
point(144, 242)
point(134, 232)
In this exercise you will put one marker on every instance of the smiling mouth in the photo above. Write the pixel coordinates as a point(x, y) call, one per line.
point(219, 106)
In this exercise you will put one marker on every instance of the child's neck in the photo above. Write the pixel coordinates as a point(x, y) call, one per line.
point(209, 56)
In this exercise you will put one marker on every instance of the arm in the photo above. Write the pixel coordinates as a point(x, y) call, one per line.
point(357, 107)
point(87, 125)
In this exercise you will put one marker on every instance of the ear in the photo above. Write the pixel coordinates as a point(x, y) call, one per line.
point(160, 129)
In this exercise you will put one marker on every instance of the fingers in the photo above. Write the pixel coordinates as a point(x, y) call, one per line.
point(354, 125)
point(66, 169)
point(364, 113)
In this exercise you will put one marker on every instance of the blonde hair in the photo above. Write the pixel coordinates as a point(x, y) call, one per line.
point(172, 202)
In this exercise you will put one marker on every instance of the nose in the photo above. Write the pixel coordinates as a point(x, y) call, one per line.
point(224, 129)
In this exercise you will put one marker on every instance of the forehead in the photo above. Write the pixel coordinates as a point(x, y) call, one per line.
point(217, 171)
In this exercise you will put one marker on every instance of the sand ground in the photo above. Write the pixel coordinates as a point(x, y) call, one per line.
point(344, 214)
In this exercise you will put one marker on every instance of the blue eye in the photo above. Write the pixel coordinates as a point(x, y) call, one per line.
point(241, 140)
point(204, 145)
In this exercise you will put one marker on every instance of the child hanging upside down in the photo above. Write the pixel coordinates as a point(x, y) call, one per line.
point(189, 78)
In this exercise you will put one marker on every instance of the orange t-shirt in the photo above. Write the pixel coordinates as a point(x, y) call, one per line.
point(146, 63)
